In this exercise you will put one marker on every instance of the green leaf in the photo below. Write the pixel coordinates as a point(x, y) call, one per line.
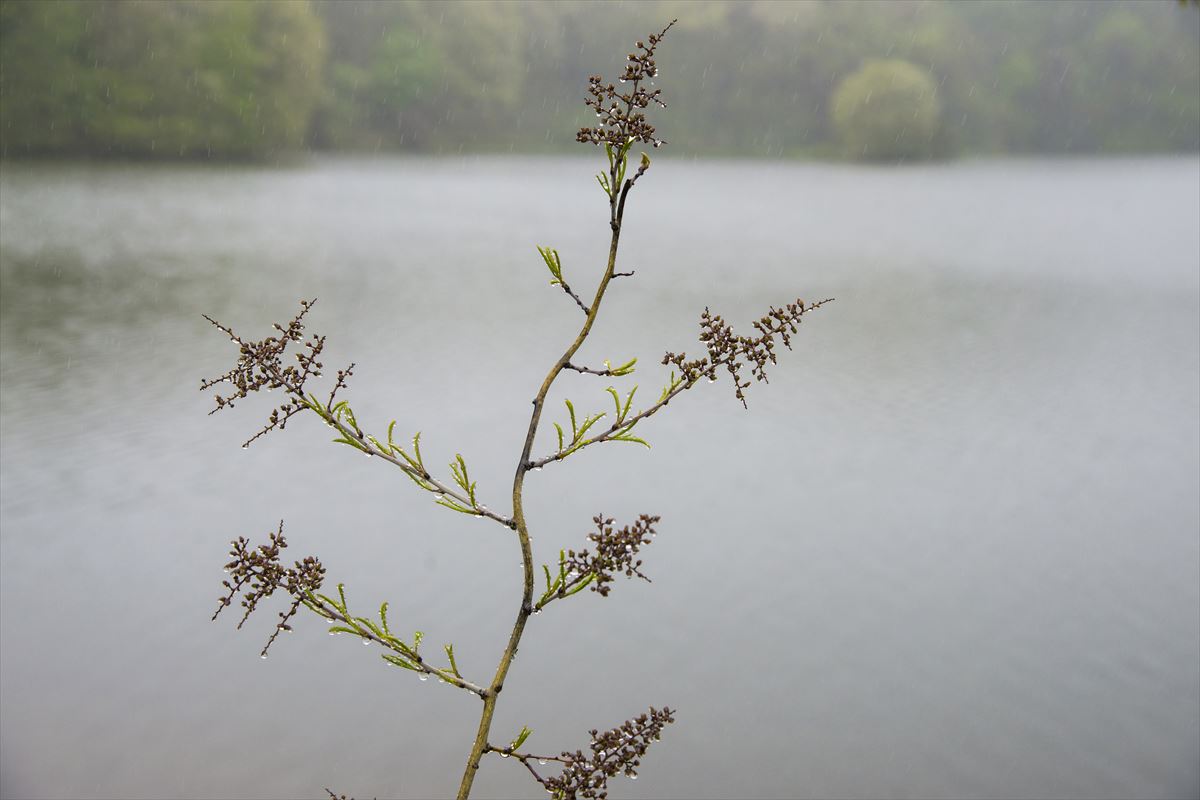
point(616, 401)
point(571, 411)
point(451, 504)
point(553, 263)
point(521, 737)
point(429, 487)
point(383, 618)
point(341, 587)
point(459, 469)
point(628, 403)
point(623, 435)
point(344, 629)
point(624, 369)
point(400, 662)
point(587, 423)
point(417, 450)
point(412, 465)
point(558, 428)
point(330, 601)
point(669, 388)
point(316, 609)
point(369, 625)
point(579, 587)
point(450, 655)
point(417, 637)
point(633, 439)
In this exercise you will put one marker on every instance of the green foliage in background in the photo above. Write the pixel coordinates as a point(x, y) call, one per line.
point(888, 110)
point(252, 79)
point(188, 78)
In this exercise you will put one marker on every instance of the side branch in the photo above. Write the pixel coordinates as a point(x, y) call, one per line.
point(608, 371)
point(260, 367)
point(725, 351)
point(417, 661)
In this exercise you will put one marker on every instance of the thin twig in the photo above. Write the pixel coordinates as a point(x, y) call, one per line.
point(574, 297)
point(588, 370)
point(410, 654)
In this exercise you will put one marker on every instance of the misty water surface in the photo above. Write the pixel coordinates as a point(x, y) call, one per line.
point(951, 550)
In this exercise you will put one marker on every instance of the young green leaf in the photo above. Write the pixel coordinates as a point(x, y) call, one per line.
point(587, 423)
point(571, 411)
point(454, 506)
point(616, 401)
point(344, 629)
point(400, 662)
point(450, 655)
point(553, 263)
point(521, 737)
point(417, 451)
point(628, 403)
point(579, 587)
point(624, 369)
point(369, 625)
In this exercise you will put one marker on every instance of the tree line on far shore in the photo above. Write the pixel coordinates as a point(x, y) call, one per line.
point(227, 79)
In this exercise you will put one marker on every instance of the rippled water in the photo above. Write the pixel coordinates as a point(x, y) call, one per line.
point(952, 550)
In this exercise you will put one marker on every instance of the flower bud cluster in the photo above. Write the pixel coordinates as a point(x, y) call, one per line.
point(260, 366)
point(615, 752)
point(616, 552)
point(731, 352)
point(621, 112)
point(257, 573)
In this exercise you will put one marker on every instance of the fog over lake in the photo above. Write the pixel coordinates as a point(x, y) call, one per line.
point(951, 550)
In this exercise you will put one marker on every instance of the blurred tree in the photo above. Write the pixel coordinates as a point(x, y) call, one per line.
point(188, 78)
point(887, 110)
point(246, 79)
point(405, 74)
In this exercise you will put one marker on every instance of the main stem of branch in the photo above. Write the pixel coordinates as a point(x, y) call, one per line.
point(616, 209)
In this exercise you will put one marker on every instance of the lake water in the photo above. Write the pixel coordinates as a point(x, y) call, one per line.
point(952, 550)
